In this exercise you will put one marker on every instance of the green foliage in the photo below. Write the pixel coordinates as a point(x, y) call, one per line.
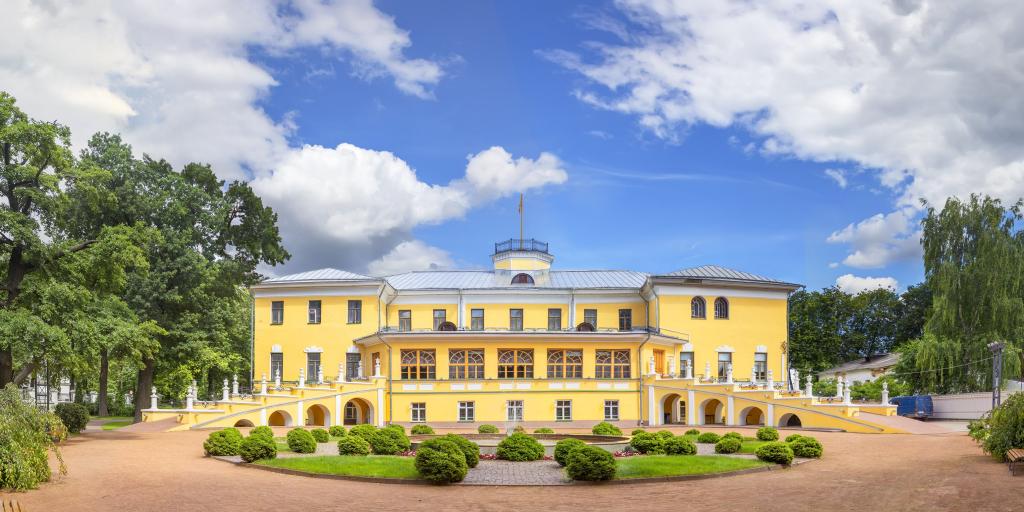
point(1005, 427)
point(590, 463)
point(320, 435)
point(353, 445)
point(564, 447)
point(637, 431)
point(301, 441)
point(520, 447)
point(487, 429)
point(979, 429)
point(257, 447)
point(470, 449)
point(389, 441)
point(708, 438)
point(734, 435)
point(606, 429)
point(365, 431)
point(806, 446)
point(442, 462)
point(680, 445)
point(776, 451)
point(262, 430)
point(74, 415)
point(397, 427)
point(728, 445)
point(793, 437)
point(872, 390)
point(693, 432)
point(544, 430)
point(664, 435)
point(646, 442)
point(519, 429)
point(26, 435)
point(223, 442)
point(419, 430)
point(336, 430)
point(767, 434)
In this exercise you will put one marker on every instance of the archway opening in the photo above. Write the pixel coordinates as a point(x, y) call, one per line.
point(357, 411)
point(790, 420)
point(752, 416)
point(318, 416)
point(712, 412)
point(244, 423)
point(279, 419)
point(673, 409)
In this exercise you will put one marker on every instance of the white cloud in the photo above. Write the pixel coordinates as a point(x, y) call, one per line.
point(924, 92)
point(838, 175)
point(408, 256)
point(880, 239)
point(850, 283)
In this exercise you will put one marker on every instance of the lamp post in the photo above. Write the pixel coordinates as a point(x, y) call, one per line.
point(997, 372)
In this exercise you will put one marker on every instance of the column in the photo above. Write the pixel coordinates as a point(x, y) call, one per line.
point(263, 416)
point(299, 421)
point(770, 420)
point(730, 406)
point(691, 407)
point(337, 409)
point(651, 409)
point(380, 407)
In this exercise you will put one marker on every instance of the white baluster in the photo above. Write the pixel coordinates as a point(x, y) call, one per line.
point(302, 377)
point(810, 386)
point(728, 373)
point(225, 391)
point(885, 394)
point(771, 380)
point(277, 379)
point(263, 383)
point(234, 385)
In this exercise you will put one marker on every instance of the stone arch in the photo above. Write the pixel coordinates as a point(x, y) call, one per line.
point(279, 419)
point(244, 423)
point(318, 416)
point(752, 416)
point(672, 409)
point(357, 411)
point(711, 412)
point(790, 420)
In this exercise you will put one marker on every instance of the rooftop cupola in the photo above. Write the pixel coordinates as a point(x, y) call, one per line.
point(521, 254)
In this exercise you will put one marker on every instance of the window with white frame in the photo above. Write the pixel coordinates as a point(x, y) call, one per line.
point(611, 410)
point(563, 410)
point(476, 319)
point(440, 317)
point(277, 312)
point(514, 410)
point(590, 317)
point(404, 320)
point(314, 311)
point(276, 365)
point(355, 311)
point(554, 319)
point(419, 412)
point(515, 319)
point(760, 366)
point(467, 411)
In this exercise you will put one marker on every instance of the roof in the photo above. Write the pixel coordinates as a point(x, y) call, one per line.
point(876, 361)
point(485, 279)
point(323, 274)
point(721, 273)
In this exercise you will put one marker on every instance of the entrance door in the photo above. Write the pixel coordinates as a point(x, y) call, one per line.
point(659, 362)
point(352, 365)
point(514, 410)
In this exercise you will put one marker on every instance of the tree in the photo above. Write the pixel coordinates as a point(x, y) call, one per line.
point(915, 307)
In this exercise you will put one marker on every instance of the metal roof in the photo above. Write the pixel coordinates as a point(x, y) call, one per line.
point(875, 362)
point(323, 274)
point(484, 279)
point(716, 272)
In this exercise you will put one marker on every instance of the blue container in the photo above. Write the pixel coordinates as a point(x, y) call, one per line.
point(915, 406)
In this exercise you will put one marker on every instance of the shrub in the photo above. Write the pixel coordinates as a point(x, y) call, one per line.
point(728, 444)
point(54, 428)
point(420, 430)
point(693, 432)
point(397, 427)
point(767, 434)
point(365, 431)
point(1004, 427)
point(441, 462)
point(223, 442)
point(564, 447)
point(257, 447)
point(646, 442)
point(590, 463)
point(26, 435)
point(519, 429)
point(262, 431)
point(806, 446)
point(336, 430)
point(735, 435)
point(680, 445)
point(487, 429)
point(793, 437)
point(320, 435)
point(301, 441)
point(389, 441)
point(543, 430)
point(75, 416)
point(520, 447)
point(637, 431)
point(468, 448)
point(664, 435)
point(708, 437)
point(353, 445)
point(777, 452)
point(606, 429)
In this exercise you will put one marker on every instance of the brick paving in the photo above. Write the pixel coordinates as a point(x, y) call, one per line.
point(503, 472)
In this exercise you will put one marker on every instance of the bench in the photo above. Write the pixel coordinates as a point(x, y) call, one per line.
point(1014, 458)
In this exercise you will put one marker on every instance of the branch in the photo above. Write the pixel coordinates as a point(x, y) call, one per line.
point(80, 247)
point(24, 372)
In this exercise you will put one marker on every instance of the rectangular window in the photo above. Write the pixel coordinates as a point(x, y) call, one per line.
point(515, 364)
point(355, 311)
point(312, 365)
point(276, 365)
point(563, 410)
point(554, 319)
point(625, 319)
point(467, 411)
point(419, 412)
point(277, 312)
point(418, 365)
point(352, 365)
point(611, 410)
point(404, 320)
point(515, 319)
point(476, 319)
point(724, 361)
point(760, 366)
point(612, 364)
point(514, 410)
point(686, 362)
point(565, 364)
point(439, 318)
point(590, 317)
point(465, 364)
point(314, 311)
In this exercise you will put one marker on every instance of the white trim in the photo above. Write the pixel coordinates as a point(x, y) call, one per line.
point(446, 299)
point(716, 292)
point(687, 347)
point(761, 348)
point(313, 349)
point(475, 387)
point(724, 348)
point(331, 290)
point(275, 348)
point(352, 350)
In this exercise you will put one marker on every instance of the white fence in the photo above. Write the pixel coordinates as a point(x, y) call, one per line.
point(967, 406)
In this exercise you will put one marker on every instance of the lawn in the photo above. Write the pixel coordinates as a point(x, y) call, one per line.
point(116, 424)
point(381, 466)
point(672, 465)
point(282, 443)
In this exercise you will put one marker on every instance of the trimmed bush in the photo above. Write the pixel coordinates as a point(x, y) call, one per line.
point(680, 445)
point(421, 430)
point(442, 462)
point(590, 463)
point(735, 435)
point(75, 416)
point(487, 429)
point(728, 444)
point(519, 429)
point(353, 445)
point(257, 447)
point(389, 441)
point(262, 431)
point(468, 448)
point(223, 442)
point(365, 431)
point(647, 442)
point(320, 435)
point(793, 437)
point(777, 452)
point(520, 447)
point(301, 441)
point(606, 429)
point(26, 436)
point(637, 431)
point(708, 438)
point(564, 447)
point(397, 427)
point(1003, 427)
point(807, 447)
point(336, 431)
point(767, 434)
point(543, 430)
point(693, 432)
point(664, 435)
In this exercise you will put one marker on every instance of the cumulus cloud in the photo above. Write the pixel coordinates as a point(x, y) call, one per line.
point(926, 93)
point(880, 239)
point(850, 283)
point(408, 256)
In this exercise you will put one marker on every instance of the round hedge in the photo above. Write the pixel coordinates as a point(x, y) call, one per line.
point(646, 442)
point(262, 431)
point(365, 431)
point(728, 444)
point(257, 447)
point(301, 441)
point(353, 445)
point(336, 430)
point(807, 447)
point(775, 451)
point(543, 430)
point(693, 432)
point(74, 415)
point(421, 430)
point(708, 438)
point(389, 441)
point(564, 447)
point(680, 445)
point(606, 429)
point(637, 431)
point(468, 448)
point(442, 462)
point(734, 435)
point(767, 434)
point(395, 426)
point(664, 435)
point(590, 463)
point(223, 442)
point(520, 447)
point(320, 435)
point(487, 429)
point(793, 437)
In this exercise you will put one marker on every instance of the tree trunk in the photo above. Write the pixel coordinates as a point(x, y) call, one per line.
point(6, 367)
point(144, 387)
point(101, 398)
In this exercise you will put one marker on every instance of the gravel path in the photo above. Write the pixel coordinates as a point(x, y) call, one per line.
point(503, 472)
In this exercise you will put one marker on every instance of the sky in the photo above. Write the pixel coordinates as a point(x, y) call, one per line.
point(789, 140)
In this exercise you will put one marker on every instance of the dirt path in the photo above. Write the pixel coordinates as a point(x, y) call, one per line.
point(119, 470)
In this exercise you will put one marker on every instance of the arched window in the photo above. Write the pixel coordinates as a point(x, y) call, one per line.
point(721, 308)
point(522, 278)
point(698, 308)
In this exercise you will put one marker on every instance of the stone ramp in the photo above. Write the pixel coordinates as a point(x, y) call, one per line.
point(164, 425)
point(907, 425)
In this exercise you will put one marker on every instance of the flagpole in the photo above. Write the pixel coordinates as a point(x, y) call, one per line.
point(520, 220)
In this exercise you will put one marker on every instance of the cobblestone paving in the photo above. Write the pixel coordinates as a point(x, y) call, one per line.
point(503, 472)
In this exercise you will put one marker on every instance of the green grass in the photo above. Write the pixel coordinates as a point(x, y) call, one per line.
point(282, 443)
point(650, 466)
point(380, 466)
point(751, 445)
point(116, 424)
